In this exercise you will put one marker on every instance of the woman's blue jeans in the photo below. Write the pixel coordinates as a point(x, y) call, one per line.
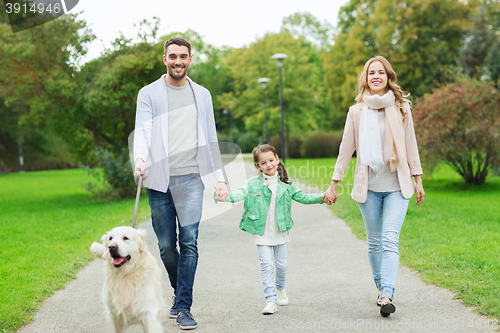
point(180, 265)
point(384, 214)
point(267, 269)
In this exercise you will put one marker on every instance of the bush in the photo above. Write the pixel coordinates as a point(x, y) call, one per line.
point(247, 141)
point(321, 144)
point(221, 137)
point(460, 124)
point(293, 145)
point(116, 180)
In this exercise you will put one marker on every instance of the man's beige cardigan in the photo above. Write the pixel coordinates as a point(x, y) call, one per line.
point(409, 164)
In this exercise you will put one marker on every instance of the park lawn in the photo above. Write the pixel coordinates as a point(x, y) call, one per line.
point(48, 225)
point(451, 240)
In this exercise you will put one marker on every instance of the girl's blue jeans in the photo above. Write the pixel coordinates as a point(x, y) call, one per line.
point(384, 214)
point(267, 269)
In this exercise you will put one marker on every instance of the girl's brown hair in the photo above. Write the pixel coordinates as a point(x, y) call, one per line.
point(264, 148)
point(362, 86)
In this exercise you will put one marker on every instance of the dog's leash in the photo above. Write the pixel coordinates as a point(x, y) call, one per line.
point(139, 186)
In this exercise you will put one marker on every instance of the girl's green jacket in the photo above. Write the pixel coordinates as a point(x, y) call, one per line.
point(257, 199)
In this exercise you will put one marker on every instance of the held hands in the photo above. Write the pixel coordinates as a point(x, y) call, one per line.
point(140, 169)
point(330, 196)
point(221, 192)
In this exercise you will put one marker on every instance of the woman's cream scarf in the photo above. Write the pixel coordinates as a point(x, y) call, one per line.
point(370, 145)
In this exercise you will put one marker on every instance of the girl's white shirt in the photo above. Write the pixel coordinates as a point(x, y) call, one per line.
point(385, 180)
point(272, 235)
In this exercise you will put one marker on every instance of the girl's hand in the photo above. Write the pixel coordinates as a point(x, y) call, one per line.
point(221, 193)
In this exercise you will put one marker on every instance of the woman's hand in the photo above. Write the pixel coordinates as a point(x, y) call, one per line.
point(330, 196)
point(419, 189)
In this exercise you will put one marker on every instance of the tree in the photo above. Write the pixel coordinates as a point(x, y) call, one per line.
point(39, 64)
point(37, 81)
point(307, 26)
point(459, 124)
point(481, 53)
point(493, 62)
point(304, 105)
point(475, 52)
point(420, 39)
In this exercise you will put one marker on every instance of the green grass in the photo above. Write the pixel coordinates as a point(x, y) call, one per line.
point(48, 224)
point(452, 239)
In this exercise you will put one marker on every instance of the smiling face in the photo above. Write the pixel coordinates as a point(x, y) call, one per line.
point(268, 163)
point(177, 60)
point(377, 78)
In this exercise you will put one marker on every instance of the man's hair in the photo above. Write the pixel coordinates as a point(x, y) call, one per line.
point(177, 41)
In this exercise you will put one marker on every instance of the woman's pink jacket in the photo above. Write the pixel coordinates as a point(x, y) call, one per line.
point(409, 165)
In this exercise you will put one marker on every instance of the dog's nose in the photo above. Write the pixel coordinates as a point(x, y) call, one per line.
point(113, 247)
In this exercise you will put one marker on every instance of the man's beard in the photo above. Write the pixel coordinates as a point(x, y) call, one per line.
point(176, 76)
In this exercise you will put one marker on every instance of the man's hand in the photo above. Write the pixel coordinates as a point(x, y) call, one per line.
point(330, 196)
point(140, 169)
point(221, 193)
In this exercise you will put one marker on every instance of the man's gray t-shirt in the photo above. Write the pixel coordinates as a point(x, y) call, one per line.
point(182, 130)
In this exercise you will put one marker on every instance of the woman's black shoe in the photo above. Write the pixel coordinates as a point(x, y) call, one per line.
point(386, 309)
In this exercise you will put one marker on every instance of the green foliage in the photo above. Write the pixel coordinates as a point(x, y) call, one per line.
point(46, 235)
point(293, 145)
point(42, 149)
point(107, 90)
point(320, 144)
point(37, 74)
point(37, 85)
point(493, 63)
point(307, 26)
point(117, 179)
point(303, 95)
point(475, 53)
point(459, 123)
point(247, 141)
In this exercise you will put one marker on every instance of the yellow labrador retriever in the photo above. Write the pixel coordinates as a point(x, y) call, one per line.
point(132, 287)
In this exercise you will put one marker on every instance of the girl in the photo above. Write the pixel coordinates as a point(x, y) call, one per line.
point(380, 128)
point(267, 215)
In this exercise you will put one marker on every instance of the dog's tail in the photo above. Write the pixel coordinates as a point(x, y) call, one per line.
point(98, 250)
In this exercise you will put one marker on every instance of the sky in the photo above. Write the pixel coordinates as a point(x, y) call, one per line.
point(220, 22)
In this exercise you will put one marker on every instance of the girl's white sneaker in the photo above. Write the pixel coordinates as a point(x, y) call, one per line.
point(270, 308)
point(282, 297)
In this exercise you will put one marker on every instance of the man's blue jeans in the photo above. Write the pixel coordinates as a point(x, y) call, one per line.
point(384, 214)
point(181, 266)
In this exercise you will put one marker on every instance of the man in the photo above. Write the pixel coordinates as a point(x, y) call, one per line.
point(175, 151)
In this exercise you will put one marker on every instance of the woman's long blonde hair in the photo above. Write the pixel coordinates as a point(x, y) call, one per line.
point(362, 86)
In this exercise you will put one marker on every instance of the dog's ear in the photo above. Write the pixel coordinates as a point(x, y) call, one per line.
point(98, 250)
point(104, 237)
point(142, 238)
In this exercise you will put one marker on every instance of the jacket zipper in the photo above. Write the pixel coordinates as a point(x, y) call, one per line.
point(284, 211)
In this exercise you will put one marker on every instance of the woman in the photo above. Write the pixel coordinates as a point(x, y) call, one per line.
point(379, 127)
